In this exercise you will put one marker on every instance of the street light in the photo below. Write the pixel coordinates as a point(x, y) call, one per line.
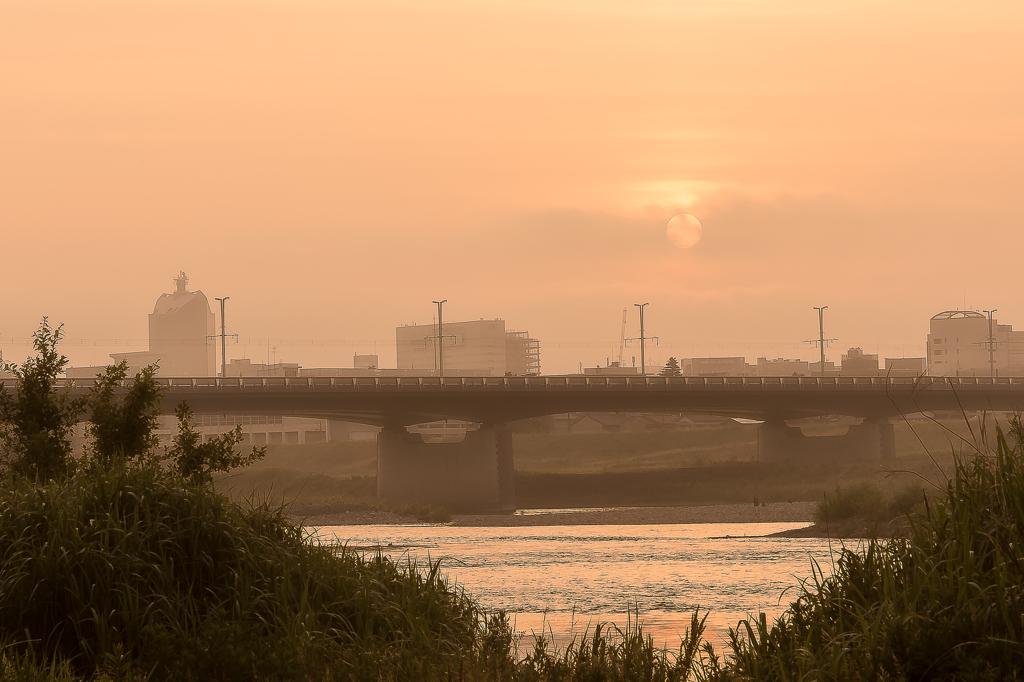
point(223, 342)
point(440, 340)
point(991, 344)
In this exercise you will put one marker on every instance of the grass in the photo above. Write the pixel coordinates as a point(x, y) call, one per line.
point(947, 603)
point(184, 584)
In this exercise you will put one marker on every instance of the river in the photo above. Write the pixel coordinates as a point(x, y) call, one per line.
point(559, 579)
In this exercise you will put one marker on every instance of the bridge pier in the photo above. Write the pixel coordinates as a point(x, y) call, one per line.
point(474, 475)
point(874, 439)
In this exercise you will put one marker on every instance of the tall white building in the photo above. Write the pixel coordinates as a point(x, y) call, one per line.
point(963, 343)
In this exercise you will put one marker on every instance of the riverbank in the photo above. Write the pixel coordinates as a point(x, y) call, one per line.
point(310, 515)
point(353, 515)
point(850, 529)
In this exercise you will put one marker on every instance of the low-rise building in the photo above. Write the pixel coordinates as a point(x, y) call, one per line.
point(612, 369)
point(717, 367)
point(781, 367)
point(830, 369)
point(857, 363)
point(244, 367)
point(368, 361)
point(905, 367)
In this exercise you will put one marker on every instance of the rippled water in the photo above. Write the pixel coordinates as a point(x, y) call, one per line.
point(560, 578)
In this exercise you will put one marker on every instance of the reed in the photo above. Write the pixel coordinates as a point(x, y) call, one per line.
point(613, 654)
point(947, 603)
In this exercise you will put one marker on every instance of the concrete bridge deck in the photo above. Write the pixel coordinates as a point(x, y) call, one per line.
point(401, 401)
point(477, 474)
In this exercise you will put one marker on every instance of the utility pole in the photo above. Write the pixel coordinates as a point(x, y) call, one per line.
point(622, 336)
point(821, 341)
point(643, 365)
point(440, 340)
point(223, 339)
point(643, 339)
point(991, 345)
point(821, 336)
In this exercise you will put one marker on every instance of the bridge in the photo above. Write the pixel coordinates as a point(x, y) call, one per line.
point(478, 472)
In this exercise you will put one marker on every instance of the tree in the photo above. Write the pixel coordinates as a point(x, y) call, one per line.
point(671, 369)
point(36, 423)
point(198, 461)
point(123, 426)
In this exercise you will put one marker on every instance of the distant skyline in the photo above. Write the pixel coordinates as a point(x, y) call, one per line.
point(334, 167)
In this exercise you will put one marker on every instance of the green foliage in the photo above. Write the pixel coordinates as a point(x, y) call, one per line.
point(123, 426)
point(671, 369)
point(868, 501)
point(198, 461)
point(36, 424)
point(948, 603)
point(142, 565)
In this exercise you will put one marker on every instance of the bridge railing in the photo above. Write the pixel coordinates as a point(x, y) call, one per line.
point(569, 383)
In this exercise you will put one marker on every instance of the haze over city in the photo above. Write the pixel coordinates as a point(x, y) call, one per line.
point(335, 167)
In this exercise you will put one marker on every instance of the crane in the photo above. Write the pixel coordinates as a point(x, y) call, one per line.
point(622, 336)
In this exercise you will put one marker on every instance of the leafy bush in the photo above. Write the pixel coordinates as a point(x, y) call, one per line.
point(36, 423)
point(197, 460)
point(123, 427)
point(866, 500)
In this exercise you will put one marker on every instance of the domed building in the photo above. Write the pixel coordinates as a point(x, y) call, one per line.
point(179, 330)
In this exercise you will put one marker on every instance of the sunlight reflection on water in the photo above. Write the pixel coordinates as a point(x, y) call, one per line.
point(557, 577)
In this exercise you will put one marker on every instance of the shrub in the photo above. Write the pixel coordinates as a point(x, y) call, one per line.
point(866, 500)
point(198, 461)
point(37, 422)
point(123, 427)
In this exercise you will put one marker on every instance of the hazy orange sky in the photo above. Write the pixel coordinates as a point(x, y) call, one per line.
point(335, 166)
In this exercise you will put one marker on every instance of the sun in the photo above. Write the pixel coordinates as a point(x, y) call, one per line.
point(684, 230)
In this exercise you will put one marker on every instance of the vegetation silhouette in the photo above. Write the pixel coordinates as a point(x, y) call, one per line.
point(671, 369)
point(37, 424)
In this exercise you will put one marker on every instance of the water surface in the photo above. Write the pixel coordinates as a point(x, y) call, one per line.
point(562, 578)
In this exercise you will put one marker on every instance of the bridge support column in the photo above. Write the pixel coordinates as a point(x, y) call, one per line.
point(874, 439)
point(474, 475)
